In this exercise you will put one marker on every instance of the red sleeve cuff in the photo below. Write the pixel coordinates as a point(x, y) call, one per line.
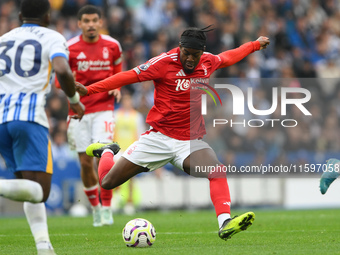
point(256, 45)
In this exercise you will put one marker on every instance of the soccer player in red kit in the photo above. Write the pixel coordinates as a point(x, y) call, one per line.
point(176, 130)
point(94, 57)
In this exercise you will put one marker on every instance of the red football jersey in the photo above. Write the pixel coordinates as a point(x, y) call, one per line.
point(177, 99)
point(176, 111)
point(94, 62)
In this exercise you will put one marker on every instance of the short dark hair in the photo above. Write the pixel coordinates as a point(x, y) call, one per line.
point(34, 8)
point(89, 9)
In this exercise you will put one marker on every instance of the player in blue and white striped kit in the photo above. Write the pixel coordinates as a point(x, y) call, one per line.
point(27, 56)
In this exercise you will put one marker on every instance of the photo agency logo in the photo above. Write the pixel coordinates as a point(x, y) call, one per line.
point(281, 95)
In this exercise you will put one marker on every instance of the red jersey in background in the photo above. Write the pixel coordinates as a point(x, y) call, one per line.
point(94, 62)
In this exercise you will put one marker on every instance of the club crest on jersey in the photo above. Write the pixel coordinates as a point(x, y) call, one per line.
point(105, 53)
point(144, 67)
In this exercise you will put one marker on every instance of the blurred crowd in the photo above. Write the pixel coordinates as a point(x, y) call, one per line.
point(304, 51)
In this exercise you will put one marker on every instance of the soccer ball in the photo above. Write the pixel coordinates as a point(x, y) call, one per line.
point(139, 233)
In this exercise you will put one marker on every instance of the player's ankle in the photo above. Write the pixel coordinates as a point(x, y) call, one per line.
point(107, 150)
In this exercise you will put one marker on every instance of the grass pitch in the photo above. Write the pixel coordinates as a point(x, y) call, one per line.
point(181, 232)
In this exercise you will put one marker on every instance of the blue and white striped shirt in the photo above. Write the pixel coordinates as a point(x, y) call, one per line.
point(25, 72)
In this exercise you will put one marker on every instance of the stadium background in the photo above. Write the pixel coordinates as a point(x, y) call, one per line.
point(305, 46)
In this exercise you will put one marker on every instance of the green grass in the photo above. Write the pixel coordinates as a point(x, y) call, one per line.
point(189, 233)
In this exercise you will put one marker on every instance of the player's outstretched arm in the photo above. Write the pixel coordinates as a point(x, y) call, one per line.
point(66, 81)
point(233, 56)
point(114, 82)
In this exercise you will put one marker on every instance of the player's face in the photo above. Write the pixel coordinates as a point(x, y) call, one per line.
point(90, 25)
point(189, 58)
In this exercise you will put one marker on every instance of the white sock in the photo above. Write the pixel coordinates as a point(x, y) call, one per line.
point(37, 220)
point(91, 188)
point(221, 218)
point(107, 150)
point(21, 190)
point(97, 207)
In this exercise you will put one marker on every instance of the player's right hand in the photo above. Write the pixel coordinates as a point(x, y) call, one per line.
point(79, 109)
point(82, 90)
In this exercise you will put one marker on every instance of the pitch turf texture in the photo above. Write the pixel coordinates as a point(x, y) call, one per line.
point(189, 233)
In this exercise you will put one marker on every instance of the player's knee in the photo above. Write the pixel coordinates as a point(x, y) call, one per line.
point(105, 184)
point(46, 193)
point(45, 188)
point(45, 197)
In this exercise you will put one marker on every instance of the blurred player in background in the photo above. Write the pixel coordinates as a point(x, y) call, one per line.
point(176, 126)
point(129, 125)
point(27, 55)
point(94, 57)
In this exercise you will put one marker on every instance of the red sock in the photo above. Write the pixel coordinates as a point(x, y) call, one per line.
point(92, 195)
point(105, 164)
point(105, 196)
point(219, 191)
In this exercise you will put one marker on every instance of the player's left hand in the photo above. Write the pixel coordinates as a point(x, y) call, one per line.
point(116, 93)
point(264, 42)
